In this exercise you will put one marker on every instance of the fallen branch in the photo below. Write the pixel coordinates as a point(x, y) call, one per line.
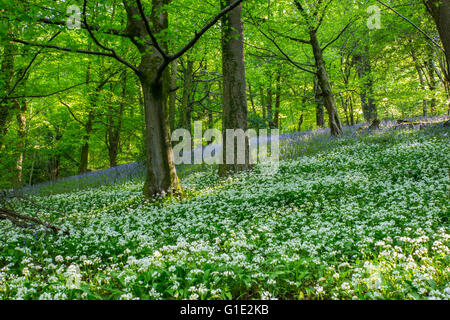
point(21, 220)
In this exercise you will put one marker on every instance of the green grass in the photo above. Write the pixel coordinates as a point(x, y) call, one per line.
point(364, 218)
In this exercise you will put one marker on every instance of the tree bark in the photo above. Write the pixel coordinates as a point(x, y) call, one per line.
point(345, 107)
point(322, 76)
point(251, 96)
point(318, 99)
point(84, 158)
point(421, 80)
point(173, 94)
point(187, 89)
point(263, 104)
point(161, 177)
point(276, 119)
point(440, 11)
point(364, 71)
point(300, 122)
point(21, 132)
point(431, 84)
point(234, 85)
point(115, 126)
point(352, 116)
point(269, 104)
point(6, 77)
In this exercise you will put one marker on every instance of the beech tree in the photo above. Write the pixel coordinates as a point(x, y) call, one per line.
point(142, 29)
point(234, 114)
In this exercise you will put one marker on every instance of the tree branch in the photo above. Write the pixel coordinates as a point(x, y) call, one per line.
point(115, 32)
point(198, 35)
point(295, 64)
point(16, 218)
point(56, 92)
point(338, 36)
point(412, 23)
point(71, 113)
point(113, 53)
point(149, 31)
point(89, 52)
point(25, 71)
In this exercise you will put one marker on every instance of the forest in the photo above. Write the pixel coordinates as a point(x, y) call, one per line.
point(224, 149)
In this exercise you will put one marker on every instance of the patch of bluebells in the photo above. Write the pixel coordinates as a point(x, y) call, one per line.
point(292, 146)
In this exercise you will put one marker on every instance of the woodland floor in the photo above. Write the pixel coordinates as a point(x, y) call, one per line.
point(362, 217)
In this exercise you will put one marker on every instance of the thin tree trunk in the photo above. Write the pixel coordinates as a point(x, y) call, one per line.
point(252, 99)
point(114, 127)
point(345, 107)
point(276, 120)
point(352, 117)
point(32, 168)
point(300, 122)
point(84, 159)
point(421, 80)
point(318, 99)
point(6, 75)
point(364, 71)
point(187, 90)
point(263, 104)
point(21, 132)
point(269, 104)
point(431, 84)
point(173, 94)
point(92, 100)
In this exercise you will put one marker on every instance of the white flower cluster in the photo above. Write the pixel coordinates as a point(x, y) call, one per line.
point(365, 219)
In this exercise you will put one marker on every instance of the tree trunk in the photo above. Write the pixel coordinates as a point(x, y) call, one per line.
point(114, 127)
point(187, 89)
point(84, 159)
point(352, 116)
point(21, 132)
point(322, 75)
point(364, 71)
point(263, 104)
point(173, 94)
point(318, 98)
point(447, 89)
point(421, 80)
point(161, 173)
point(276, 119)
point(345, 107)
point(92, 99)
point(269, 104)
point(300, 122)
point(252, 99)
point(161, 177)
point(234, 85)
point(6, 76)
point(431, 84)
point(440, 11)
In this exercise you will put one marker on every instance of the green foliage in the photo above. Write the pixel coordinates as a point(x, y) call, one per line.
point(56, 80)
